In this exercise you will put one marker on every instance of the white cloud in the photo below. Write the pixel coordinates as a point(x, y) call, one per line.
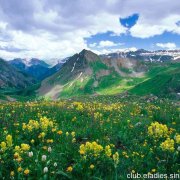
point(108, 44)
point(92, 45)
point(41, 46)
point(166, 45)
point(48, 44)
point(146, 29)
point(107, 51)
point(105, 44)
point(57, 29)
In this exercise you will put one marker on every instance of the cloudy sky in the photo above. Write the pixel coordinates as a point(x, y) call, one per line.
point(50, 29)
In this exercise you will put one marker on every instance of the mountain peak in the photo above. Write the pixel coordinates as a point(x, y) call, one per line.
point(88, 55)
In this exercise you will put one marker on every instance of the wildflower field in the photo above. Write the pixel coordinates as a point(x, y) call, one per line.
point(91, 138)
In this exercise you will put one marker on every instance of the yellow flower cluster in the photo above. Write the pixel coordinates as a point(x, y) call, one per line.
point(44, 123)
point(26, 172)
point(167, 145)
point(69, 169)
point(78, 105)
point(97, 115)
point(177, 138)
point(31, 125)
point(116, 158)
point(108, 150)
point(3, 146)
point(49, 141)
point(9, 140)
point(19, 150)
point(92, 148)
point(158, 130)
point(8, 143)
point(125, 154)
point(25, 147)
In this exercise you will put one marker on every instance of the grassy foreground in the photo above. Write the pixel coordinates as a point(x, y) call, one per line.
point(95, 138)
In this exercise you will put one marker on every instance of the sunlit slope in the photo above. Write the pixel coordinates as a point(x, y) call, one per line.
point(165, 83)
point(88, 74)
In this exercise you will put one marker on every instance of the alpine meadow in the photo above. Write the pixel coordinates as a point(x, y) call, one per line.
point(89, 90)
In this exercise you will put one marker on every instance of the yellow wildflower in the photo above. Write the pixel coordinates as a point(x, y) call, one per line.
point(177, 138)
point(49, 141)
point(133, 171)
point(17, 149)
point(25, 147)
point(158, 130)
point(167, 145)
point(12, 173)
point(91, 166)
point(19, 169)
point(67, 133)
point(69, 169)
point(16, 155)
point(93, 148)
point(3, 146)
point(59, 132)
point(9, 140)
point(73, 134)
point(108, 150)
point(53, 129)
point(116, 158)
point(26, 171)
point(43, 134)
point(73, 140)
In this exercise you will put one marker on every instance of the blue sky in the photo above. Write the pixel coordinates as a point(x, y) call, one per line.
point(140, 43)
point(126, 40)
point(129, 21)
point(56, 29)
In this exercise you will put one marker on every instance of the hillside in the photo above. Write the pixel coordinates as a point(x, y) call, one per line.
point(11, 77)
point(165, 83)
point(33, 67)
point(87, 73)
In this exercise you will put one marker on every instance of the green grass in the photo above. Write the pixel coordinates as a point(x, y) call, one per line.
point(76, 88)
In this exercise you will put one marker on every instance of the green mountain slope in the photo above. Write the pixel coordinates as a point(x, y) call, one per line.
point(88, 74)
point(12, 80)
point(165, 83)
point(11, 77)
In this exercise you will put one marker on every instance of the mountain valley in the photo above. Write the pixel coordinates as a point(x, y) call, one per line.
point(87, 73)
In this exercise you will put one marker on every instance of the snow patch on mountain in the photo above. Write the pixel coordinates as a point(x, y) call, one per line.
point(73, 67)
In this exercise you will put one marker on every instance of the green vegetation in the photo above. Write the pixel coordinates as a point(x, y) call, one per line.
point(125, 70)
point(97, 66)
point(162, 81)
point(26, 94)
point(103, 137)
